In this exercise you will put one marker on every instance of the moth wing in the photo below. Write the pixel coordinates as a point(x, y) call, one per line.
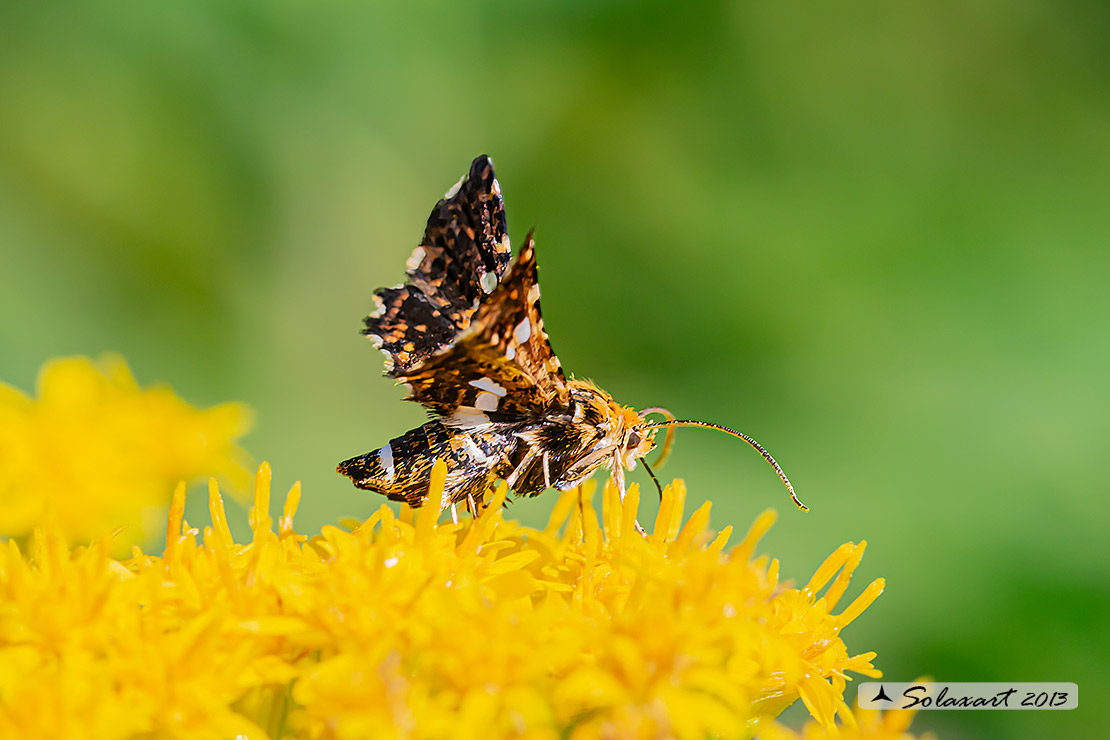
point(502, 365)
point(401, 469)
point(460, 260)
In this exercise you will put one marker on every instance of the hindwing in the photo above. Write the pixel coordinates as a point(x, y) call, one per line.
point(401, 468)
point(501, 367)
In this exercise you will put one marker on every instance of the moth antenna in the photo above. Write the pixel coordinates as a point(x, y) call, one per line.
point(668, 436)
point(653, 478)
point(758, 447)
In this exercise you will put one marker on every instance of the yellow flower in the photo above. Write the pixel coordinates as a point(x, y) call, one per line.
point(404, 627)
point(94, 451)
point(862, 724)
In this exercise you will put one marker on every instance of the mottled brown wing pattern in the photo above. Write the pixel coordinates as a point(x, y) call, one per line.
point(460, 260)
point(401, 468)
point(501, 367)
point(466, 248)
point(512, 322)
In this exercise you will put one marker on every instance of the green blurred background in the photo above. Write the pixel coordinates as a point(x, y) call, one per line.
point(872, 236)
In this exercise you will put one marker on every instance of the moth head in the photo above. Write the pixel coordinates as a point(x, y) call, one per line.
point(635, 441)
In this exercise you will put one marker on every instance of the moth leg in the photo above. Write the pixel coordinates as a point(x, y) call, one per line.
point(546, 471)
point(618, 481)
point(581, 514)
point(618, 476)
point(524, 464)
point(454, 514)
point(470, 504)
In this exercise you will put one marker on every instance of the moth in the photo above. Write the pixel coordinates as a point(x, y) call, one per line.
point(465, 337)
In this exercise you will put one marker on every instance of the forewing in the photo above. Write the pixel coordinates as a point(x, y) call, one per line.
point(461, 259)
point(501, 367)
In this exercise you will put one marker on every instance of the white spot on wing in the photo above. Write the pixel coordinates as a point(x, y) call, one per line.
point(385, 459)
point(466, 417)
point(496, 187)
point(534, 293)
point(415, 259)
point(487, 401)
point(488, 281)
point(454, 189)
point(522, 331)
point(485, 384)
point(473, 449)
point(379, 307)
point(510, 352)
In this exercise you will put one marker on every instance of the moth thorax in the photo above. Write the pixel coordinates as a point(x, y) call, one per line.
point(594, 407)
point(618, 424)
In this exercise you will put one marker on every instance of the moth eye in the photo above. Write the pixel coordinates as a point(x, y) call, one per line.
point(633, 440)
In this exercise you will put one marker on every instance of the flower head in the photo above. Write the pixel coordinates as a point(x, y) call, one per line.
point(862, 724)
point(94, 451)
point(404, 626)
